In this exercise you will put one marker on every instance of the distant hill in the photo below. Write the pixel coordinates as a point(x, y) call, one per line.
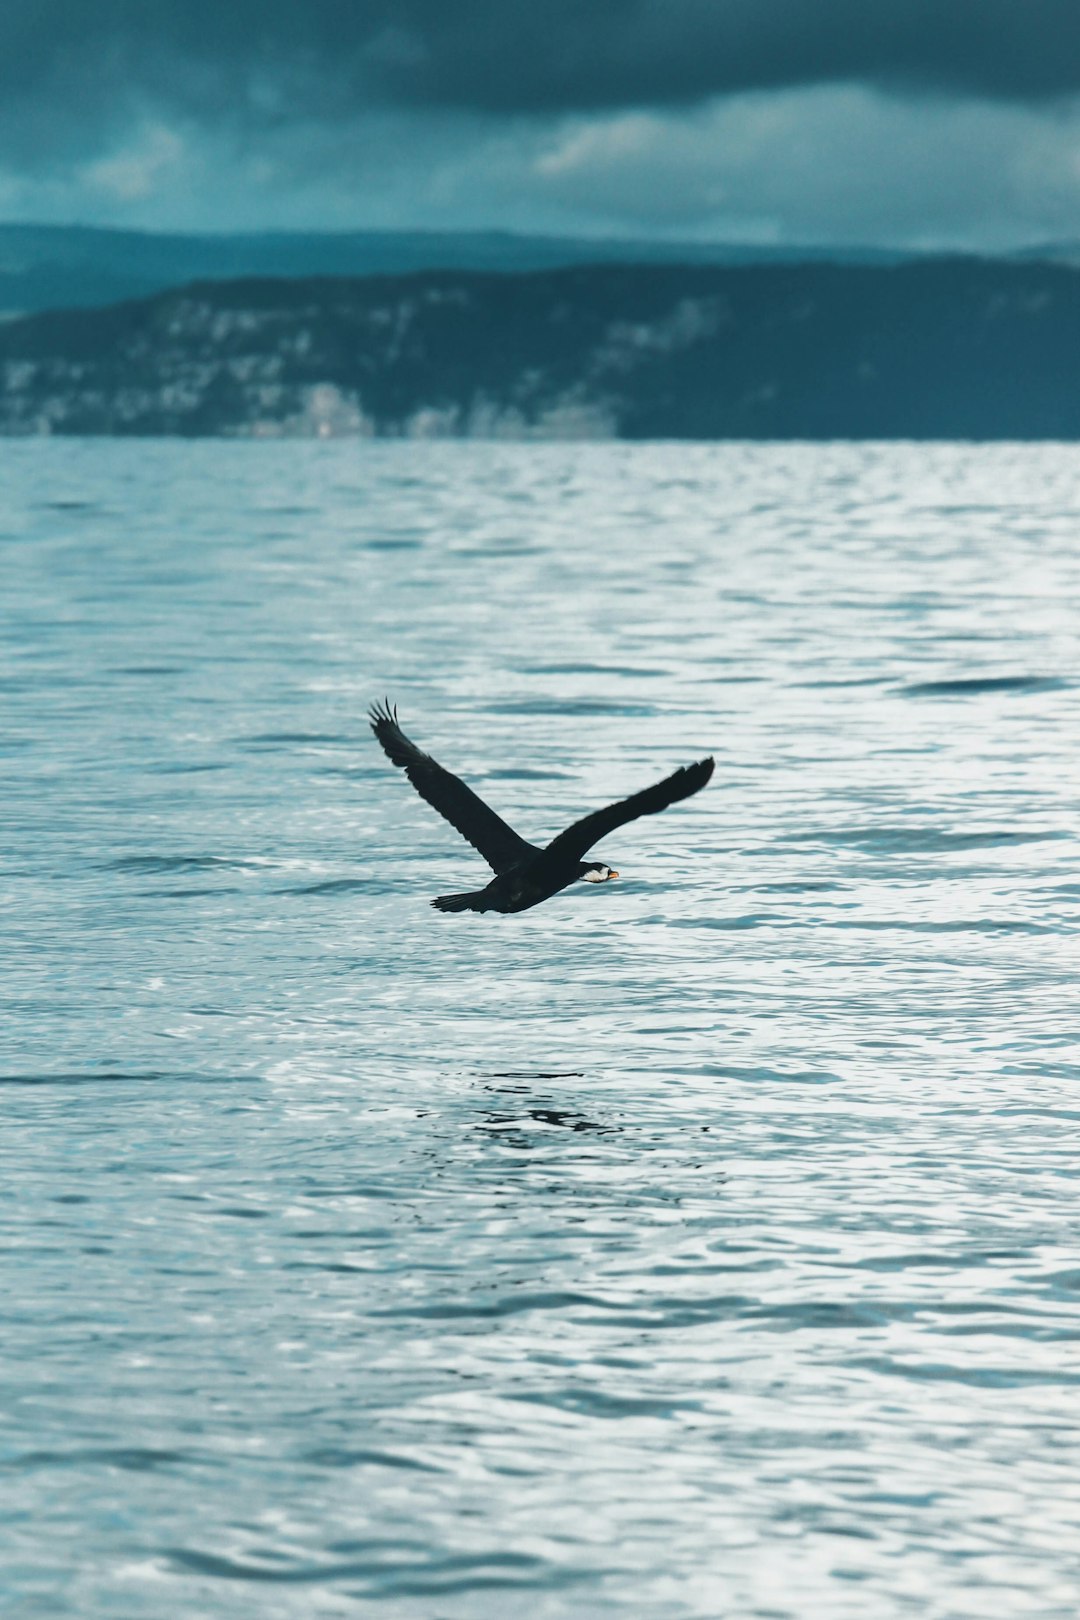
point(960, 348)
point(76, 267)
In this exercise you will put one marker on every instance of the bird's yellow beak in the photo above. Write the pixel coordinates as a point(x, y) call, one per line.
point(612, 876)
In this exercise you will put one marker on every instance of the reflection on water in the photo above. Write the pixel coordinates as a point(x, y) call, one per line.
point(703, 1244)
point(519, 1110)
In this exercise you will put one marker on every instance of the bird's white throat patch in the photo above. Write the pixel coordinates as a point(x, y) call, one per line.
point(604, 875)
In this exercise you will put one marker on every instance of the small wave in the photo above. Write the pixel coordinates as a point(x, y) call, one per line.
point(980, 1377)
point(177, 863)
point(853, 680)
point(750, 919)
point(600, 1403)
point(148, 669)
point(970, 925)
point(977, 685)
point(521, 1304)
point(538, 1074)
point(196, 768)
point(133, 1459)
point(189, 894)
point(280, 739)
point(115, 1077)
point(524, 774)
point(815, 887)
point(565, 706)
point(335, 886)
point(923, 839)
point(390, 1567)
point(352, 1457)
point(630, 671)
point(766, 1076)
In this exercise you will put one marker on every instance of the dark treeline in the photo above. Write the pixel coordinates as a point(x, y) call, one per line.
point(949, 348)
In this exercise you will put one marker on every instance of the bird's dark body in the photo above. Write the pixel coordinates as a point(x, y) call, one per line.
point(525, 874)
point(516, 889)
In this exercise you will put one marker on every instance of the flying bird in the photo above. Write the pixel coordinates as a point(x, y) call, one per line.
point(525, 874)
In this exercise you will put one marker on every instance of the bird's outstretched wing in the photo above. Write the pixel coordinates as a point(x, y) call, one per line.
point(499, 844)
point(572, 844)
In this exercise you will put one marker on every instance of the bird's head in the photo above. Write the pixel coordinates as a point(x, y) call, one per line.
point(597, 872)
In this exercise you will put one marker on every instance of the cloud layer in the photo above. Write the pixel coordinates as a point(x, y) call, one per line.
point(937, 122)
point(264, 60)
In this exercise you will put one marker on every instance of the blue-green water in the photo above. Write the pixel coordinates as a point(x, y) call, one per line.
point(705, 1244)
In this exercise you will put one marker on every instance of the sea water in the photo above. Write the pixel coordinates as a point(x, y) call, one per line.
point(703, 1244)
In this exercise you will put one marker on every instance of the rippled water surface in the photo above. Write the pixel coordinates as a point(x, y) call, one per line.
point(701, 1245)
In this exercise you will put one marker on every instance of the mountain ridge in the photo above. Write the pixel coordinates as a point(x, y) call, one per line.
point(83, 266)
point(952, 348)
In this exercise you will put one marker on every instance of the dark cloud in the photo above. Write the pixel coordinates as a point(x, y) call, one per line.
point(564, 55)
point(267, 61)
point(763, 120)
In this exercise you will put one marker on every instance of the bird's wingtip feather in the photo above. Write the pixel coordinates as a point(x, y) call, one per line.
point(382, 713)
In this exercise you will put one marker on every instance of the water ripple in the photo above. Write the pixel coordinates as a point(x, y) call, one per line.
point(703, 1245)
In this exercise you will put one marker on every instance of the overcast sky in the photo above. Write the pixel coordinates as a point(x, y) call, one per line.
point(894, 122)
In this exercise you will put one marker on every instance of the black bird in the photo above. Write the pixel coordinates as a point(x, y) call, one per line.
point(524, 873)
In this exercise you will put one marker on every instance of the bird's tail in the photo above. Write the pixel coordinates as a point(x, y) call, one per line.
point(460, 902)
